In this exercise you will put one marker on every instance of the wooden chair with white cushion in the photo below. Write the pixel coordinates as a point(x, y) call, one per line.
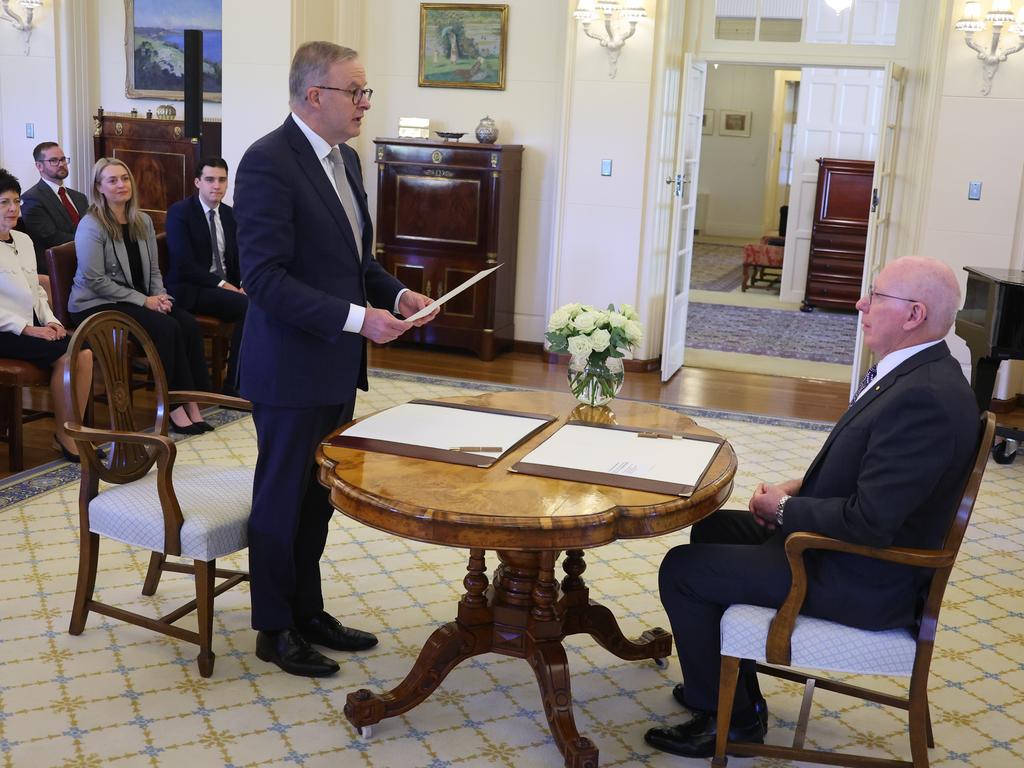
point(197, 512)
point(790, 642)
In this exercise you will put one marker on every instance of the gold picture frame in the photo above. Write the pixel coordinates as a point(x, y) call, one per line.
point(734, 122)
point(463, 46)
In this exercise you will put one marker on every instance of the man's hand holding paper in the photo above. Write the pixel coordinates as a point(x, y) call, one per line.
point(411, 302)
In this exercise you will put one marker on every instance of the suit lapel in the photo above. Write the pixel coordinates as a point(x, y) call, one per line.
point(875, 391)
point(355, 183)
point(199, 217)
point(121, 252)
point(310, 165)
point(51, 201)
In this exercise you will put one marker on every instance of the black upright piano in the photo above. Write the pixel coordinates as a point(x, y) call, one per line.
point(992, 324)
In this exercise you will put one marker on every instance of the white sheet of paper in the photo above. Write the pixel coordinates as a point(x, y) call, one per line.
point(620, 452)
point(437, 426)
point(454, 292)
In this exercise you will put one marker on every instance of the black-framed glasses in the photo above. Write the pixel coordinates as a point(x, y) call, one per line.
point(58, 161)
point(872, 293)
point(357, 94)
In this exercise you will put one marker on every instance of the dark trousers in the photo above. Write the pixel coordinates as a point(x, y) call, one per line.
point(730, 559)
point(176, 337)
point(229, 306)
point(290, 513)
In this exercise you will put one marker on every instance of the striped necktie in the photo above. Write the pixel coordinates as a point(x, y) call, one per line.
point(868, 378)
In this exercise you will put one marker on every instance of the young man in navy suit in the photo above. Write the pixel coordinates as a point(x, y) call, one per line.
point(316, 294)
point(889, 474)
point(50, 211)
point(202, 244)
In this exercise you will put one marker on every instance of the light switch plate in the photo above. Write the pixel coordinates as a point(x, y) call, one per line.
point(974, 190)
point(606, 167)
point(30, 130)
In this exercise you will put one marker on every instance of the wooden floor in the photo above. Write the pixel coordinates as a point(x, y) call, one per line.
point(721, 390)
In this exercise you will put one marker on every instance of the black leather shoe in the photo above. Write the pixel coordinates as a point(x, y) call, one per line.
point(204, 426)
point(760, 706)
point(190, 429)
point(696, 737)
point(327, 631)
point(290, 651)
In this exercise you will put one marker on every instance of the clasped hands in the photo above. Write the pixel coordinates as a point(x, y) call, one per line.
point(162, 303)
point(381, 326)
point(765, 502)
point(50, 331)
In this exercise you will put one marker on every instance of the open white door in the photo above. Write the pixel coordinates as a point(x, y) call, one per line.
point(680, 254)
point(881, 203)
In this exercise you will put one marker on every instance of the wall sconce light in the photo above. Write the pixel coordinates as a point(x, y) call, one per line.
point(6, 14)
point(619, 24)
point(1000, 16)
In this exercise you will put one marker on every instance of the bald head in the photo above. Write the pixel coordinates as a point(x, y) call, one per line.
point(933, 284)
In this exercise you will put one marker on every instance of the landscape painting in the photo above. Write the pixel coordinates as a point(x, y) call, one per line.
point(463, 46)
point(155, 47)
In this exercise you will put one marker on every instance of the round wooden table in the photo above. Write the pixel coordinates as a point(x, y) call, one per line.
point(528, 522)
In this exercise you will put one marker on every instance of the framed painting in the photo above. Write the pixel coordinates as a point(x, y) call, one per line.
point(463, 46)
point(154, 45)
point(734, 122)
point(707, 125)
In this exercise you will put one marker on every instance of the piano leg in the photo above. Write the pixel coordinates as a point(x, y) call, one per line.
point(983, 380)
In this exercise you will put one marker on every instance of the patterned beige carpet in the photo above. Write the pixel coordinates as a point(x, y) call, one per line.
point(121, 696)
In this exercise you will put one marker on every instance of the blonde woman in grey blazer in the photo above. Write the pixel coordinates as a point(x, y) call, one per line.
point(29, 331)
point(117, 269)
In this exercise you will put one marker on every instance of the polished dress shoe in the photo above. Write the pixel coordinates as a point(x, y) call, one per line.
point(194, 428)
point(760, 705)
point(323, 629)
point(204, 426)
point(292, 653)
point(696, 737)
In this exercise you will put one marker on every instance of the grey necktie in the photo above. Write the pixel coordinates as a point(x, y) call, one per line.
point(868, 378)
point(218, 261)
point(347, 200)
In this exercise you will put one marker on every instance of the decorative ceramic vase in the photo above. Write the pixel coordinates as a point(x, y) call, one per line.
point(596, 383)
point(487, 131)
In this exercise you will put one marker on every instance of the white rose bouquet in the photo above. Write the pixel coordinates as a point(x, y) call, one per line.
point(597, 341)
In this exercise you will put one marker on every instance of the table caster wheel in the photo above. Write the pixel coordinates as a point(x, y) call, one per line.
point(366, 732)
point(1005, 452)
point(661, 663)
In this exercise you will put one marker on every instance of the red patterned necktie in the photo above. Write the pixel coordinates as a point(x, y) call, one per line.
point(68, 205)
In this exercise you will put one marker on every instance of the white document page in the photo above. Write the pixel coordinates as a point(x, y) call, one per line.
point(621, 452)
point(454, 292)
point(446, 428)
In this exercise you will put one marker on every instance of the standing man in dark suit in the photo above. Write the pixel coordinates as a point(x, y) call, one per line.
point(889, 474)
point(316, 294)
point(50, 212)
point(203, 273)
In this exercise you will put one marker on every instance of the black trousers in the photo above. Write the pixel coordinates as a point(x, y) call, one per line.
point(730, 559)
point(177, 340)
point(229, 306)
point(290, 513)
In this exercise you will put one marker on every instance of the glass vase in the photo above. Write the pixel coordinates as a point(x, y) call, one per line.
point(596, 383)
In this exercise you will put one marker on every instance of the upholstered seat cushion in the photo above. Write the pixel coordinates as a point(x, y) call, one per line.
point(763, 255)
point(215, 503)
point(820, 644)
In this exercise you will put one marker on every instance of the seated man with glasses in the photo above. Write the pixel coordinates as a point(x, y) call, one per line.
point(50, 211)
point(889, 474)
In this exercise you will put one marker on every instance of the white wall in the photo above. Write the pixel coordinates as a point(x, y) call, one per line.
point(527, 112)
point(732, 168)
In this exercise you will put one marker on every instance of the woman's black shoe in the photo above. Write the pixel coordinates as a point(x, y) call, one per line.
point(74, 458)
point(204, 425)
point(191, 429)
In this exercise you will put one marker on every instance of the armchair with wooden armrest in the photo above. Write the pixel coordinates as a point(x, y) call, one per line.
point(782, 640)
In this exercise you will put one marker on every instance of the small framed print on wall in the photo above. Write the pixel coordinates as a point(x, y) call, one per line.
point(707, 126)
point(734, 122)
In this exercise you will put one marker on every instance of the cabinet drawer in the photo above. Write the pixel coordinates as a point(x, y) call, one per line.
point(833, 290)
point(845, 241)
point(835, 266)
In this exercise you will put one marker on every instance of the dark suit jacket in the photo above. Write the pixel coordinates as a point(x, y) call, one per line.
point(301, 271)
point(190, 252)
point(45, 220)
point(890, 473)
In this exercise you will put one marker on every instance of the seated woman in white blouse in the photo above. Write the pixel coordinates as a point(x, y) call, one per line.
point(28, 329)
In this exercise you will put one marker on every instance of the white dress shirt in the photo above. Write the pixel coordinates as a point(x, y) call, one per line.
point(220, 236)
point(888, 363)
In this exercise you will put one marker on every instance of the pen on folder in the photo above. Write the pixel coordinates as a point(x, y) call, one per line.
point(659, 434)
point(477, 448)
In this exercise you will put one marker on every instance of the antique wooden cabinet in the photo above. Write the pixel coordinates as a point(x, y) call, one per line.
point(445, 211)
point(162, 159)
point(835, 265)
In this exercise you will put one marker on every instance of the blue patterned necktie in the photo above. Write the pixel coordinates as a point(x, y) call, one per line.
point(868, 378)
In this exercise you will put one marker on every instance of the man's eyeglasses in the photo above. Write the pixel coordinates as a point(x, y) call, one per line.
point(58, 161)
point(5, 204)
point(357, 94)
point(872, 293)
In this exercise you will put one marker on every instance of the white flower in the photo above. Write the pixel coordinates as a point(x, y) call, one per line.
point(599, 339)
point(616, 319)
point(559, 319)
point(629, 312)
point(580, 348)
point(585, 321)
point(633, 332)
point(602, 319)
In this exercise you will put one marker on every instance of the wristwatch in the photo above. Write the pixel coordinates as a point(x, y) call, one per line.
point(778, 511)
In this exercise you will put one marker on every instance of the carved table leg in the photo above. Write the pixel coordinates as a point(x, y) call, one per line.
point(552, 670)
